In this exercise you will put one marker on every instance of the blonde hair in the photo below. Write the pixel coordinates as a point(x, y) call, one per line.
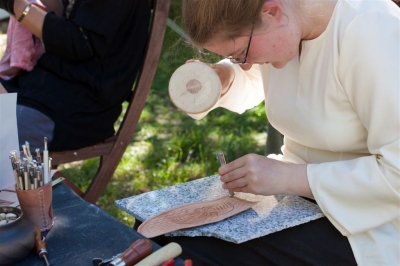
point(204, 20)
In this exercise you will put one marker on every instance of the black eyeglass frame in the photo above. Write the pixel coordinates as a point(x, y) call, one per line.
point(234, 60)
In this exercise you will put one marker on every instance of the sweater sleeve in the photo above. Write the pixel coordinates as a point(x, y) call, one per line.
point(245, 92)
point(361, 194)
point(88, 33)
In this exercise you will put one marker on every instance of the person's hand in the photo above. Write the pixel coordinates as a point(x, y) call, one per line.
point(8, 5)
point(11, 72)
point(263, 176)
point(2, 89)
point(255, 174)
point(226, 74)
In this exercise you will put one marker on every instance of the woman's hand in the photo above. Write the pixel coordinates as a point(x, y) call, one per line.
point(263, 176)
point(12, 71)
point(226, 75)
point(2, 89)
point(8, 5)
point(225, 72)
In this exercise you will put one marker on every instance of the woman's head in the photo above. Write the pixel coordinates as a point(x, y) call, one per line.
point(205, 20)
point(257, 30)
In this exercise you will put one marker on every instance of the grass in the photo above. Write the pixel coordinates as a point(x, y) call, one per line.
point(169, 147)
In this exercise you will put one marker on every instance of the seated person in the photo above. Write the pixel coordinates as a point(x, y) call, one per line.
point(93, 52)
point(329, 76)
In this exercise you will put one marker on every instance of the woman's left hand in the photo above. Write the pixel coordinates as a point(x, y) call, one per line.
point(264, 176)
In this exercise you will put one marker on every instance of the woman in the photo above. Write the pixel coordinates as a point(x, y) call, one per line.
point(329, 74)
point(93, 52)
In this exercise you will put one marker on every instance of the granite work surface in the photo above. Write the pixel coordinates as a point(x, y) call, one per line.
point(270, 214)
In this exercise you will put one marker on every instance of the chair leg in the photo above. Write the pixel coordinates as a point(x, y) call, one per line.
point(106, 169)
point(68, 182)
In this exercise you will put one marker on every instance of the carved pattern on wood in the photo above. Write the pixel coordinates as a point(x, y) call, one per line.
point(193, 214)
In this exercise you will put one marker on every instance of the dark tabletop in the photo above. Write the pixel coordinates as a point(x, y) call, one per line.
point(81, 232)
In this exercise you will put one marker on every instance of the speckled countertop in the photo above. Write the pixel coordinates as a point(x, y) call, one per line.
point(270, 214)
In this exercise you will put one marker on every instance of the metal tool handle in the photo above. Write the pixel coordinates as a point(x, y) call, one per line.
point(221, 158)
point(222, 161)
point(40, 246)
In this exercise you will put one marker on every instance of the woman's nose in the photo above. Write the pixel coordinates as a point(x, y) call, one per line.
point(246, 66)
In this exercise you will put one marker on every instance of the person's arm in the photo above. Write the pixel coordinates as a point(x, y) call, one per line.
point(89, 33)
point(244, 92)
point(260, 175)
point(367, 189)
point(54, 5)
point(33, 20)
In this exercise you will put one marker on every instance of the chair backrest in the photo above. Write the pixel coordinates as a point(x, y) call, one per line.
point(112, 149)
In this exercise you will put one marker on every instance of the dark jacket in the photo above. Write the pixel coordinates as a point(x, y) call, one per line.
point(88, 69)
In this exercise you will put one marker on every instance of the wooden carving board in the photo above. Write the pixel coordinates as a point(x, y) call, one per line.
point(194, 87)
point(193, 214)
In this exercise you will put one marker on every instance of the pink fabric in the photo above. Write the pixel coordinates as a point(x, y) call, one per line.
point(23, 48)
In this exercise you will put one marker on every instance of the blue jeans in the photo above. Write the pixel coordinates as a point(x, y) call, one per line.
point(33, 126)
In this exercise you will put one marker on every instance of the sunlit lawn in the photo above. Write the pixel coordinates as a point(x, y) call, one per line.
point(169, 147)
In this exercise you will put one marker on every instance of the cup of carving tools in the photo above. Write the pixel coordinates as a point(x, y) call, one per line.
point(33, 187)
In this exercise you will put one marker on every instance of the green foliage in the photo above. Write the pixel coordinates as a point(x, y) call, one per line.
point(169, 147)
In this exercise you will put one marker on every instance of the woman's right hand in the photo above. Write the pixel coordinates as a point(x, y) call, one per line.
point(260, 175)
point(8, 5)
point(225, 72)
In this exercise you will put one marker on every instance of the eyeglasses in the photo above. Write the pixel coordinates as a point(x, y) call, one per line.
point(237, 60)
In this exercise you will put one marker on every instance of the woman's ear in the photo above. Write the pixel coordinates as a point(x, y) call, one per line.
point(271, 10)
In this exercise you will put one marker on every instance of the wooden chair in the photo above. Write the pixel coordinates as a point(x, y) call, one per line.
point(112, 149)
